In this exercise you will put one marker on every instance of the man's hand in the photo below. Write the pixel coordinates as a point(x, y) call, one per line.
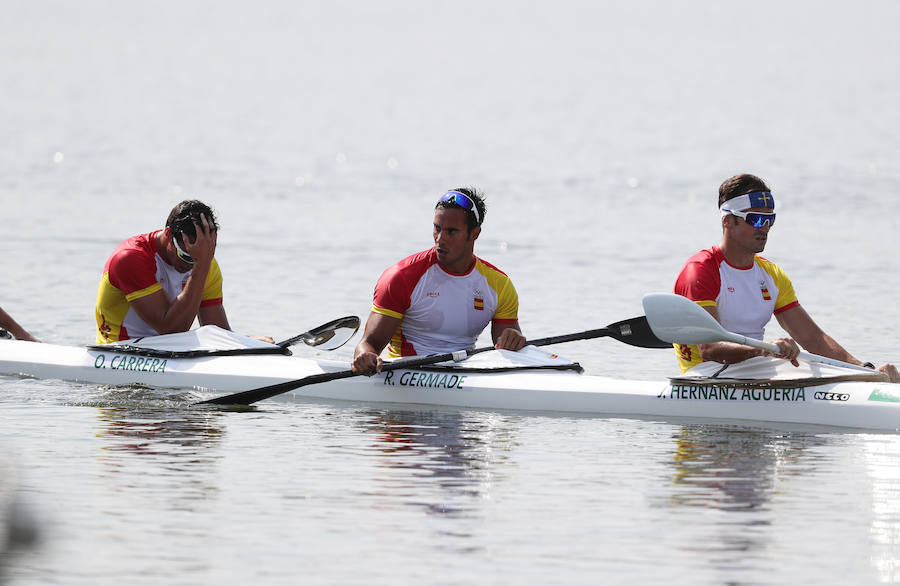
point(789, 350)
point(510, 339)
point(890, 370)
point(203, 248)
point(367, 363)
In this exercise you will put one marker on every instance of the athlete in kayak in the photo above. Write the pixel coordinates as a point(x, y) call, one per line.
point(440, 300)
point(159, 282)
point(743, 290)
point(18, 332)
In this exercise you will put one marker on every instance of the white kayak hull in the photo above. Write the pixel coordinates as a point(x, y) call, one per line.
point(867, 405)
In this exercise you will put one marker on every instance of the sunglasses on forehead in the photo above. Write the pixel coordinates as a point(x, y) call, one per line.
point(463, 201)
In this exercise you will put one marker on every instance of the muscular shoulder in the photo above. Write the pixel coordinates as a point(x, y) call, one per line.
point(410, 269)
point(485, 267)
point(770, 267)
point(134, 259)
point(507, 298)
point(394, 287)
point(494, 276)
point(708, 258)
point(215, 272)
point(777, 273)
point(699, 280)
point(214, 277)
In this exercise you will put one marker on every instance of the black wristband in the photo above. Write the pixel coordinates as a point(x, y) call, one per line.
point(868, 365)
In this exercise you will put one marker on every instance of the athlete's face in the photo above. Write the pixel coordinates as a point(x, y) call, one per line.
point(746, 236)
point(453, 242)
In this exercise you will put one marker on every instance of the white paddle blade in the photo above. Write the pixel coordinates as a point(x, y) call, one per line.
point(677, 319)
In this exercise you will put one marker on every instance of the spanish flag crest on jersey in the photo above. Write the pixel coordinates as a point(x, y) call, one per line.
point(765, 294)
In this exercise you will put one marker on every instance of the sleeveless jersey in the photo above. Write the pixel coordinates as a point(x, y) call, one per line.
point(745, 297)
point(441, 311)
point(135, 270)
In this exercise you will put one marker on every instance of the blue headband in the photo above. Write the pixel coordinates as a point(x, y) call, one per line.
point(757, 199)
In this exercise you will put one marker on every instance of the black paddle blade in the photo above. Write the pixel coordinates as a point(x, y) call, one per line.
point(636, 332)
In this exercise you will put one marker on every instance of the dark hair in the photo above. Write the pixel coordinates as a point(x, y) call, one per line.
point(740, 185)
point(477, 198)
point(183, 217)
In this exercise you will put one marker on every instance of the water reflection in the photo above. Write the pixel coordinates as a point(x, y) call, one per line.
point(850, 481)
point(161, 448)
point(18, 529)
point(730, 468)
point(735, 470)
point(448, 459)
point(181, 433)
point(881, 455)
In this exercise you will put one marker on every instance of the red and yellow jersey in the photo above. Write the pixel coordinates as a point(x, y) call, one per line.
point(135, 270)
point(745, 297)
point(440, 311)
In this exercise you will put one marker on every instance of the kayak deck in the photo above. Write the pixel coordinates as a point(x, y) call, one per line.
point(856, 404)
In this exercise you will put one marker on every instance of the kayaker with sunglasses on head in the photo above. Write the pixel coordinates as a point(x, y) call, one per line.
point(440, 300)
point(159, 282)
point(743, 290)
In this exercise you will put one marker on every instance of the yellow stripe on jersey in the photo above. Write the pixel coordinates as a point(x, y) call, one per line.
point(786, 294)
point(142, 293)
point(213, 286)
point(386, 312)
point(396, 342)
point(507, 298)
point(115, 306)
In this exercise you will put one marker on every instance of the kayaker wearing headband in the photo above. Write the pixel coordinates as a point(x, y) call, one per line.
point(159, 282)
point(440, 300)
point(743, 290)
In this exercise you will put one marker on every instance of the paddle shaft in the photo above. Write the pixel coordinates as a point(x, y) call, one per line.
point(635, 331)
point(805, 356)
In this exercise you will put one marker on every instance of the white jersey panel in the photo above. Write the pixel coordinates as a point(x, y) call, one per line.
point(172, 283)
point(746, 300)
point(448, 311)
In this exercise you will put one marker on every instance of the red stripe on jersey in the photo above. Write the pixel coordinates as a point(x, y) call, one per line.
point(787, 307)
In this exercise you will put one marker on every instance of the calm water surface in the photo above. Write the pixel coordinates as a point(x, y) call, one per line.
point(322, 136)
